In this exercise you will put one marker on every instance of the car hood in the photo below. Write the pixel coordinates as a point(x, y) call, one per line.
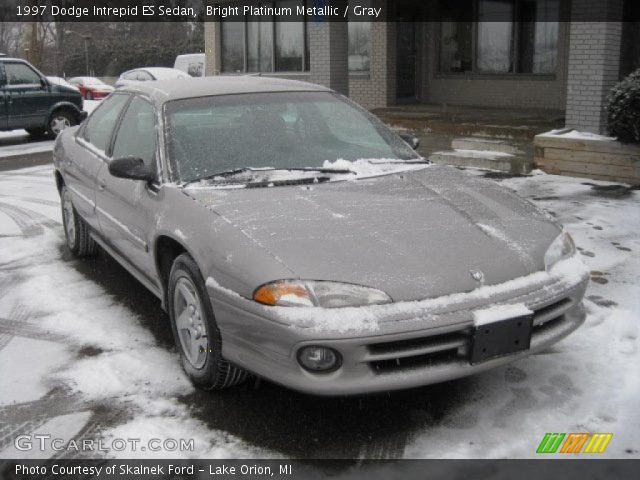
point(414, 235)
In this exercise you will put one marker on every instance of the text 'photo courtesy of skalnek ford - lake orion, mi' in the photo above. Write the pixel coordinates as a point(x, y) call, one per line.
point(319, 238)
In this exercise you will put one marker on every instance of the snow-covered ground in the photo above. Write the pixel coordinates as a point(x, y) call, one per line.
point(78, 362)
point(19, 142)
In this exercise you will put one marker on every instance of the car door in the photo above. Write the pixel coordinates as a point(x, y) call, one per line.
point(28, 96)
point(4, 97)
point(87, 157)
point(124, 206)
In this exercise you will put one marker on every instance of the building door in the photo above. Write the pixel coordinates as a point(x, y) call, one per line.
point(406, 55)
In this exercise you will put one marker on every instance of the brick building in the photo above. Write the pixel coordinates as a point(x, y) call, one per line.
point(565, 60)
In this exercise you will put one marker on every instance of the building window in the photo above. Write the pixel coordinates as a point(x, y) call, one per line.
point(509, 36)
point(359, 41)
point(262, 46)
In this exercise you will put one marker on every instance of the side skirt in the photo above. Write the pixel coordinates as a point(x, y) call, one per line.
point(148, 283)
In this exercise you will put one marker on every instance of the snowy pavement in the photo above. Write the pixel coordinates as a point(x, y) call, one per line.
point(86, 353)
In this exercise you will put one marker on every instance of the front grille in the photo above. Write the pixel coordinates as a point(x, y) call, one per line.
point(415, 362)
point(448, 347)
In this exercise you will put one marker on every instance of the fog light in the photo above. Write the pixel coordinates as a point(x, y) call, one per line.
point(318, 359)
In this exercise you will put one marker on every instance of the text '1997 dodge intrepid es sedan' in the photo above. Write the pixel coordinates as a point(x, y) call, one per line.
point(291, 234)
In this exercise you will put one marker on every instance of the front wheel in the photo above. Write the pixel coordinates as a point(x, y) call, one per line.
point(60, 119)
point(76, 231)
point(195, 330)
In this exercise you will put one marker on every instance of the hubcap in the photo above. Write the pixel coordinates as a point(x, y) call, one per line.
point(69, 220)
point(59, 123)
point(189, 315)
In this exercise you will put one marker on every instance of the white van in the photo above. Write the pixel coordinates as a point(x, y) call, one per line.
point(192, 63)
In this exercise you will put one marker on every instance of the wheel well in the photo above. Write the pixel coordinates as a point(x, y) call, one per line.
point(167, 250)
point(65, 108)
point(59, 181)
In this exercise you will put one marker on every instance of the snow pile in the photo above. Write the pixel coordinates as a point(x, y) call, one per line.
point(371, 167)
point(574, 134)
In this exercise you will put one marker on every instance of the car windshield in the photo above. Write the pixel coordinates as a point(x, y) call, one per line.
point(288, 130)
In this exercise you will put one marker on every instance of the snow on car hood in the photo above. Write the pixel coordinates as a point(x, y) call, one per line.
point(414, 234)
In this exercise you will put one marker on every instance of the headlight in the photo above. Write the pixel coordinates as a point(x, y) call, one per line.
point(308, 293)
point(562, 247)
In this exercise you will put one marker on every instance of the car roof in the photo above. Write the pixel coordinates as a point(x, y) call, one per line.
point(12, 59)
point(84, 79)
point(159, 71)
point(174, 89)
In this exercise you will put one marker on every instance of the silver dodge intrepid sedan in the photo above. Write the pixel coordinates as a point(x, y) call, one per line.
point(292, 235)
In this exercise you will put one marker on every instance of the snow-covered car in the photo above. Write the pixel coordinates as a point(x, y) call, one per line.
point(62, 81)
point(91, 88)
point(291, 234)
point(148, 74)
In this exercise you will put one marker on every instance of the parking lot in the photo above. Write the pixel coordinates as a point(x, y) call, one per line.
point(86, 353)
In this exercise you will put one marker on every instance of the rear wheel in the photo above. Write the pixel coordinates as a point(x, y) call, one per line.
point(59, 120)
point(195, 330)
point(76, 231)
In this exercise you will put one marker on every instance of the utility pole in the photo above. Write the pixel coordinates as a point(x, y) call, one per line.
point(86, 39)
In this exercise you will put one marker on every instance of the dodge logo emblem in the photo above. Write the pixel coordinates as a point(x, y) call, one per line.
point(477, 275)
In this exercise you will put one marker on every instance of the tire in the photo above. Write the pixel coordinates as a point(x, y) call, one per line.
point(59, 120)
point(76, 231)
point(195, 330)
point(88, 96)
point(36, 132)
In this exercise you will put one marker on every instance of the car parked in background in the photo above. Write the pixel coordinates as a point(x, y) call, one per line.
point(291, 234)
point(191, 63)
point(28, 100)
point(148, 74)
point(91, 88)
point(61, 81)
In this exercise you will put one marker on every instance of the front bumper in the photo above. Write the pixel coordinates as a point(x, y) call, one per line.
point(419, 344)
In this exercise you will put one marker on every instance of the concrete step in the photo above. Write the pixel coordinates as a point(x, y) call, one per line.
point(487, 160)
point(484, 143)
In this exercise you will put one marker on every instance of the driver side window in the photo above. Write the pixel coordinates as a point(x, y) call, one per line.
point(101, 123)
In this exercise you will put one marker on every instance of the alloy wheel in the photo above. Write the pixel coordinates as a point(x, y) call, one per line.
point(189, 318)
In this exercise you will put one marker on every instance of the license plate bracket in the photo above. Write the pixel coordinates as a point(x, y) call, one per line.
point(502, 337)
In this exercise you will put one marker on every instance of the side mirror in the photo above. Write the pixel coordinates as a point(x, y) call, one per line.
point(411, 138)
point(132, 168)
point(82, 116)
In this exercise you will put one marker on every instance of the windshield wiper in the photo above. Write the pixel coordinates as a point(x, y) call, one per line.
point(409, 161)
point(228, 173)
point(339, 171)
point(236, 171)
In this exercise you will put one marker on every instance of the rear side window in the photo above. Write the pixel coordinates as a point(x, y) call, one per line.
point(101, 123)
point(143, 76)
point(21, 74)
point(136, 136)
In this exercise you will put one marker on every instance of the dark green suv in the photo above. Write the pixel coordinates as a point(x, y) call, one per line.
point(28, 100)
